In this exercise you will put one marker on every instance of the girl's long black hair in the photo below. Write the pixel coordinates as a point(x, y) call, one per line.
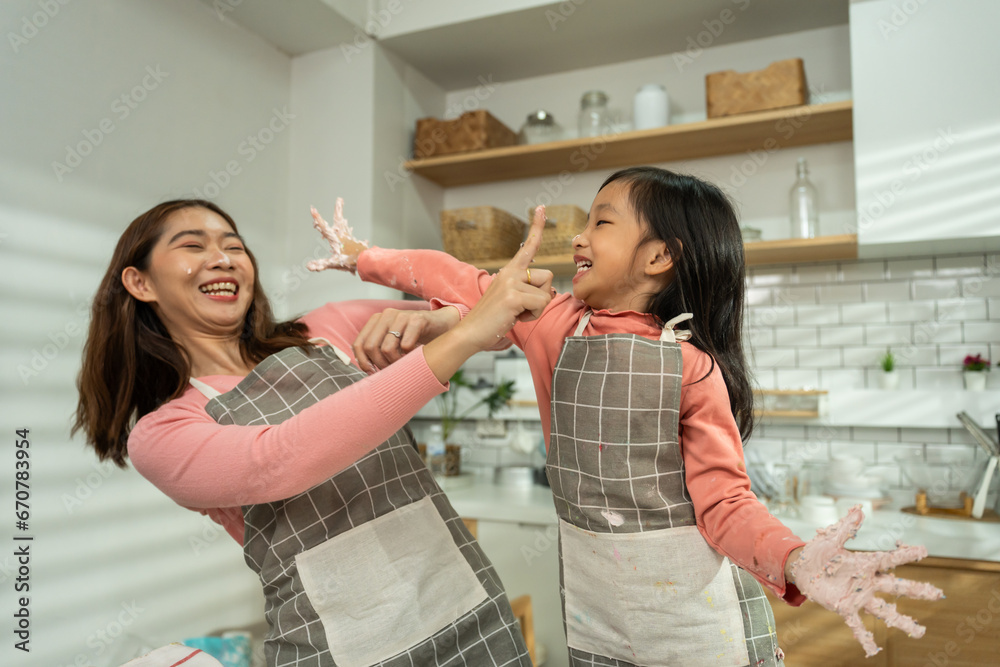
point(698, 224)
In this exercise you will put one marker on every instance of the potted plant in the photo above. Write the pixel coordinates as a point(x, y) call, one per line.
point(974, 370)
point(498, 397)
point(889, 378)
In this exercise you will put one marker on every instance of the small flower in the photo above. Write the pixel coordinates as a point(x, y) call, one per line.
point(975, 363)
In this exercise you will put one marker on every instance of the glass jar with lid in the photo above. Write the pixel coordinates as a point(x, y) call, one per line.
point(539, 128)
point(594, 120)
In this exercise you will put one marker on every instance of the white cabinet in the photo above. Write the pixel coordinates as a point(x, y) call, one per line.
point(926, 125)
point(526, 557)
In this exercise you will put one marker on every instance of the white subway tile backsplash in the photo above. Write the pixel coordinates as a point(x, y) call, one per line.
point(912, 311)
point(764, 378)
point(849, 293)
point(937, 331)
point(817, 273)
point(798, 378)
point(758, 296)
point(796, 294)
point(917, 355)
point(951, 453)
point(863, 357)
point(766, 277)
point(771, 316)
point(826, 432)
point(888, 291)
point(864, 313)
point(774, 357)
point(939, 378)
point(819, 357)
point(875, 434)
point(845, 448)
point(796, 336)
point(779, 430)
point(767, 449)
point(925, 435)
point(942, 288)
point(863, 271)
point(960, 310)
point(827, 314)
point(962, 265)
point(888, 334)
point(910, 268)
point(759, 337)
point(982, 332)
point(842, 378)
point(981, 286)
point(843, 335)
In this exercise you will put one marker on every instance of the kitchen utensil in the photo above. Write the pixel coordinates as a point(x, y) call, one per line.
point(983, 490)
point(979, 435)
point(945, 479)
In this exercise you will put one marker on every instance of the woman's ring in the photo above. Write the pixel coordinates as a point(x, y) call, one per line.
point(397, 334)
point(528, 271)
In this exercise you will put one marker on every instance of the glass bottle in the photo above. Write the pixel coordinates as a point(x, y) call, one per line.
point(594, 118)
point(803, 204)
point(436, 450)
point(539, 128)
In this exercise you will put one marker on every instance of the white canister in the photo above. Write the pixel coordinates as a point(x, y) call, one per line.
point(651, 107)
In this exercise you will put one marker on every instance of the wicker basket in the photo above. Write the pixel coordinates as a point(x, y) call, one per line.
point(780, 84)
point(562, 223)
point(472, 131)
point(481, 232)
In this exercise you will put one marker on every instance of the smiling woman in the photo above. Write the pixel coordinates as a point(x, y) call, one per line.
point(304, 459)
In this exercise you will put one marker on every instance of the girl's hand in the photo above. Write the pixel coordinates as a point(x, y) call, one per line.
point(846, 582)
point(344, 248)
point(517, 293)
point(391, 334)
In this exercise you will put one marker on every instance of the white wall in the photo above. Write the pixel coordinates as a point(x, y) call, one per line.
point(106, 537)
point(759, 190)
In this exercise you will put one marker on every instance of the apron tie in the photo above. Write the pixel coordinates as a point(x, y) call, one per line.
point(668, 333)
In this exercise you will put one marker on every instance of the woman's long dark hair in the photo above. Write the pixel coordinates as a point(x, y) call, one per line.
point(698, 224)
point(131, 366)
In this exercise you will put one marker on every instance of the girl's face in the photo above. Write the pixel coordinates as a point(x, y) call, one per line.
point(200, 279)
point(613, 271)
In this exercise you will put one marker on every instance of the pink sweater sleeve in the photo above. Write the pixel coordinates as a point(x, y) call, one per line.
point(729, 515)
point(201, 464)
point(435, 276)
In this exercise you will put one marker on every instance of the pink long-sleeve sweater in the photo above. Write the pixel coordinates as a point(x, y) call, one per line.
point(205, 466)
point(729, 515)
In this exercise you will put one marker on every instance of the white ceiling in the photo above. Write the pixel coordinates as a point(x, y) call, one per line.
point(555, 37)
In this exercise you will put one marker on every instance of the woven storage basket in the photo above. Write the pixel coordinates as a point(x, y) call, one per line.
point(481, 232)
point(562, 223)
point(780, 84)
point(472, 131)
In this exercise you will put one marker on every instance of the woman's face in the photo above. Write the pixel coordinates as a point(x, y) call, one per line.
point(200, 280)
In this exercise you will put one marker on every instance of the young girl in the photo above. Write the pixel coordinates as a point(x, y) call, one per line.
point(645, 437)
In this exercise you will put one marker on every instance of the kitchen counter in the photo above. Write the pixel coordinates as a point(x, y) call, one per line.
point(944, 538)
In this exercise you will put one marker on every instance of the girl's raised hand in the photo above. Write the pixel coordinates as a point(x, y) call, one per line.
point(518, 293)
point(344, 248)
point(846, 581)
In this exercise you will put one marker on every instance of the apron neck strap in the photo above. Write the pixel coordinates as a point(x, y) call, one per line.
point(210, 392)
point(668, 333)
point(207, 390)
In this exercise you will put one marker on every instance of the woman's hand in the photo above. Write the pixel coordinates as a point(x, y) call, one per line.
point(517, 294)
point(846, 581)
point(344, 248)
point(391, 334)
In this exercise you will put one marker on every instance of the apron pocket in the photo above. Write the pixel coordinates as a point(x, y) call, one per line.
point(388, 584)
point(661, 597)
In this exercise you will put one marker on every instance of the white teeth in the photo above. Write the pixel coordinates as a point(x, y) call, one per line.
point(582, 265)
point(217, 289)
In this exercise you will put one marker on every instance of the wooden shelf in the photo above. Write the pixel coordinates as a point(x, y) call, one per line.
point(767, 130)
point(785, 251)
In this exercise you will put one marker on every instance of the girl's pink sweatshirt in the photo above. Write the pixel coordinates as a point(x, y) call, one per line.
point(206, 467)
point(729, 515)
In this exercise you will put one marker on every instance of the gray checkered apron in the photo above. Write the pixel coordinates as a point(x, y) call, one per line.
point(372, 566)
point(640, 585)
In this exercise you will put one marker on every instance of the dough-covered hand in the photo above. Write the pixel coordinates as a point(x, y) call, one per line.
point(846, 581)
point(517, 293)
point(391, 334)
point(344, 248)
